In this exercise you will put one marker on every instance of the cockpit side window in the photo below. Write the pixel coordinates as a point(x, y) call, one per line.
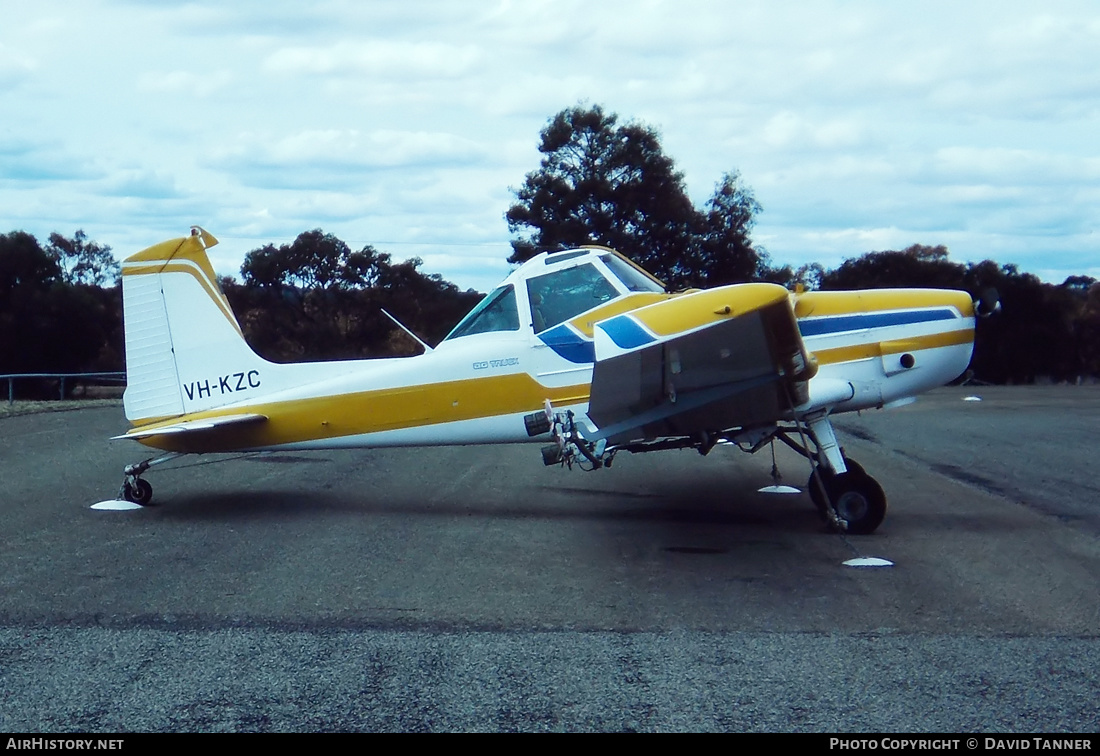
point(558, 296)
point(497, 312)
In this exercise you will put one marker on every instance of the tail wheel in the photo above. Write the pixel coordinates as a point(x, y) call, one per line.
point(139, 491)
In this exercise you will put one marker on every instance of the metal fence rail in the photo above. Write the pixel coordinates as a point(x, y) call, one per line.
point(101, 377)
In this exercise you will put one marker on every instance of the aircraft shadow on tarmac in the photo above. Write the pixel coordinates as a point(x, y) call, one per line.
point(684, 502)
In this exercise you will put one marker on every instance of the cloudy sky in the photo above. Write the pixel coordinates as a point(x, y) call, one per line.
point(859, 125)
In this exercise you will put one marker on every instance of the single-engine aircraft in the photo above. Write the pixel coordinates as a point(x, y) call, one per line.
point(581, 349)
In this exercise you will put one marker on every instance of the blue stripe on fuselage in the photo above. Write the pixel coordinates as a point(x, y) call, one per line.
point(864, 320)
point(569, 344)
point(625, 332)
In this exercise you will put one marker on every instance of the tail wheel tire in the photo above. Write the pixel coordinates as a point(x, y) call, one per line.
point(139, 492)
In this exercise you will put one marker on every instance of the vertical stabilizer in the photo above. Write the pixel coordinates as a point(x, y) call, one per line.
point(184, 348)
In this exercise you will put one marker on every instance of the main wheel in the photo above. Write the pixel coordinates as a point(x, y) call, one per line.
point(859, 500)
point(139, 492)
point(858, 497)
point(854, 468)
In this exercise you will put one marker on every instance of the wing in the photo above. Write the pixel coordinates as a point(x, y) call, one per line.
point(192, 426)
point(706, 361)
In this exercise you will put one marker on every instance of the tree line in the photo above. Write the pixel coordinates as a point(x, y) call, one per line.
point(599, 182)
point(317, 299)
point(60, 306)
point(1042, 331)
point(312, 299)
point(604, 182)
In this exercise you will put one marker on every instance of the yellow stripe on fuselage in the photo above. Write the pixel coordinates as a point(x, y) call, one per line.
point(880, 348)
point(374, 411)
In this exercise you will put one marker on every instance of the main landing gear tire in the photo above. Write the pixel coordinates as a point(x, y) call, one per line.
point(857, 497)
point(139, 492)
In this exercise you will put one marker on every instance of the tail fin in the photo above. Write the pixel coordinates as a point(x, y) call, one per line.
point(184, 348)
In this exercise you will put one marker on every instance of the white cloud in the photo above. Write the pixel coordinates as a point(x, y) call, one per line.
point(375, 57)
point(144, 183)
point(339, 160)
point(1015, 166)
point(860, 125)
point(15, 66)
point(790, 131)
point(185, 82)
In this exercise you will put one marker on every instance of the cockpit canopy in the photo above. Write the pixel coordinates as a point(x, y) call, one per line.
point(553, 288)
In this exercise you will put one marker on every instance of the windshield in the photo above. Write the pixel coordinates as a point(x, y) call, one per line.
point(558, 296)
point(497, 312)
point(633, 277)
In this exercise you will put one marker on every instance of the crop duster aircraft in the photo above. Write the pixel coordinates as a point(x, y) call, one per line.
point(581, 349)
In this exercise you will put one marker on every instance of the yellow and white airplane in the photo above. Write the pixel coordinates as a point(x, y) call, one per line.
point(580, 349)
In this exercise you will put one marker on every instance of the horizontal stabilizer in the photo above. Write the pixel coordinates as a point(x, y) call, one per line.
point(193, 426)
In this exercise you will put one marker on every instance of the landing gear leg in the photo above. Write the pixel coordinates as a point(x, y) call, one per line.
point(134, 487)
point(847, 498)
